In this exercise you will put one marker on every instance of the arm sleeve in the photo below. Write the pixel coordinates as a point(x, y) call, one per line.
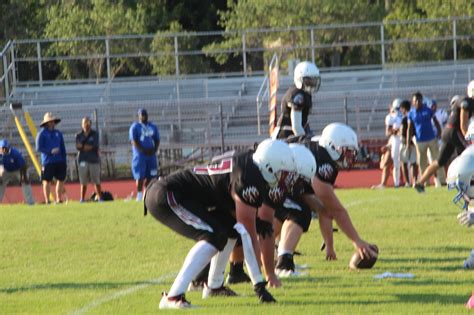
point(296, 122)
point(40, 147)
point(133, 133)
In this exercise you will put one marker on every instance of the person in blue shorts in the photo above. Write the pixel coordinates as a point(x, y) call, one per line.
point(145, 139)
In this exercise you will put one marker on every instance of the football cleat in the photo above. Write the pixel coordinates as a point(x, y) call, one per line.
point(237, 277)
point(419, 188)
point(175, 302)
point(195, 286)
point(262, 293)
point(469, 262)
point(222, 291)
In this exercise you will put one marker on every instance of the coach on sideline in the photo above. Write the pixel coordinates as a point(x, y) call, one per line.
point(87, 145)
point(50, 143)
point(145, 139)
point(13, 166)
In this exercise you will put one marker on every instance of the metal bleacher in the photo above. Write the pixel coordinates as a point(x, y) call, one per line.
point(187, 111)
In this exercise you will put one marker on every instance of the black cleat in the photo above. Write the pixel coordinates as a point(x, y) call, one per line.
point(262, 293)
point(222, 291)
point(237, 274)
point(419, 188)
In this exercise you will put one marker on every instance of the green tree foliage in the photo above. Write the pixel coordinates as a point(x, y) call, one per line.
point(254, 14)
point(404, 50)
point(72, 19)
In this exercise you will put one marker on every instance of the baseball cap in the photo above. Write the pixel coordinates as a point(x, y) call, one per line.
point(4, 143)
point(142, 111)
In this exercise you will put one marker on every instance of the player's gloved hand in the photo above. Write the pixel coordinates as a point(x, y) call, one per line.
point(263, 295)
point(466, 218)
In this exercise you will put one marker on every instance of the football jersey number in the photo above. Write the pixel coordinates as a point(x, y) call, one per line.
point(223, 167)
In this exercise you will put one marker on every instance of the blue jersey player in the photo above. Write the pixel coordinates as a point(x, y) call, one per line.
point(145, 140)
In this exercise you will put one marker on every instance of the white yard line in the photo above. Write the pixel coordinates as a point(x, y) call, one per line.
point(120, 294)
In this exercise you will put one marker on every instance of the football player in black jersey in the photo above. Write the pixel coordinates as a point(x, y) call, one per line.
point(215, 204)
point(452, 138)
point(297, 102)
point(337, 145)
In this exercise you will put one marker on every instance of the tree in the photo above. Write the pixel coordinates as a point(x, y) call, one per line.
point(72, 19)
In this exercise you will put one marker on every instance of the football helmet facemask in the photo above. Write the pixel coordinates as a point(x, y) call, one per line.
point(340, 141)
point(460, 177)
point(306, 77)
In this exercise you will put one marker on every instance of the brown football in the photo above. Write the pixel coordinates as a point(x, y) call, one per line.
point(357, 262)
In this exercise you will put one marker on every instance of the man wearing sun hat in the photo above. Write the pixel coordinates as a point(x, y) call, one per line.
point(50, 144)
point(145, 140)
point(13, 166)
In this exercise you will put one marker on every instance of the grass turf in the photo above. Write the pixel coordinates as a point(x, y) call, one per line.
point(108, 258)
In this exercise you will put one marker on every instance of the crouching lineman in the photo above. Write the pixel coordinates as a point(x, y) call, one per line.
point(14, 166)
point(461, 177)
point(336, 146)
point(215, 204)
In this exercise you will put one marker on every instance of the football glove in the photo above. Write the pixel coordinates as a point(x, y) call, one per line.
point(263, 295)
point(466, 218)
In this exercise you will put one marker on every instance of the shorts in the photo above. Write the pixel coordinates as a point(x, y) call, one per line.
point(188, 218)
point(144, 167)
point(451, 141)
point(408, 156)
point(54, 170)
point(89, 173)
point(296, 212)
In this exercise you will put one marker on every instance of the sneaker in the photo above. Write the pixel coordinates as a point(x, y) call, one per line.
point(222, 291)
point(419, 188)
point(469, 262)
point(175, 302)
point(237, 277)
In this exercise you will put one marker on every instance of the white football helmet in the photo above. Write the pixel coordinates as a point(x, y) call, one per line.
point(337, 138)
point(396, 104)
point(306, 77)
point(470, 89)
point(454, 100)
point(274, 159)
point(460, 177)
point(304, 160)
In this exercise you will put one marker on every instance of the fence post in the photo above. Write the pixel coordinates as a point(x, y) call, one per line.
point(312, 45)
point(244, 54)
point(346, 119)
point(107, 56)
point(5, 78)
point(13, 64)
point(176, 56)
point(40, 68)
point(382, 43)
point(455, 45)
point(221, 119)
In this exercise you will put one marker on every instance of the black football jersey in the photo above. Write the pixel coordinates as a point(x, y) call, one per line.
point(213, 184)
point(454, 120)
point(299, 100)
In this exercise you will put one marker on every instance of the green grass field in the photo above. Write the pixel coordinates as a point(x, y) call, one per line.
point(108, 258)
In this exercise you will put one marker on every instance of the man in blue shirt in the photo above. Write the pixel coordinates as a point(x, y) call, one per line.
point(145, 140)
point(420, 118)
point(13, 166)
point(50, 143)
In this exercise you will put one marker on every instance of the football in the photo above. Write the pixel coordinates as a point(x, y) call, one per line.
point(357, 262)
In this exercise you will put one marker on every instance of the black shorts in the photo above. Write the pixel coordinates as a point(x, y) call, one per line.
point(188, 218)
point(452, 140)
point(296, 212)
point(54, 170)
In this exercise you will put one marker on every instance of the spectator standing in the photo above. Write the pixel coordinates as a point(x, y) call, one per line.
point(420, 119)
point(87, 145)
point(407, 154)
point(145, 139)
point(14, 167)
point(50, 143)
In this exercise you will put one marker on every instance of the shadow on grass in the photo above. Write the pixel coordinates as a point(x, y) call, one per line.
point(75, 286)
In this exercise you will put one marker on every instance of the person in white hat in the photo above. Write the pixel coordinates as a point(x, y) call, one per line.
point(50, 143)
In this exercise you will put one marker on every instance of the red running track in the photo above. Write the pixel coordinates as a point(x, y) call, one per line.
point(121, 189)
